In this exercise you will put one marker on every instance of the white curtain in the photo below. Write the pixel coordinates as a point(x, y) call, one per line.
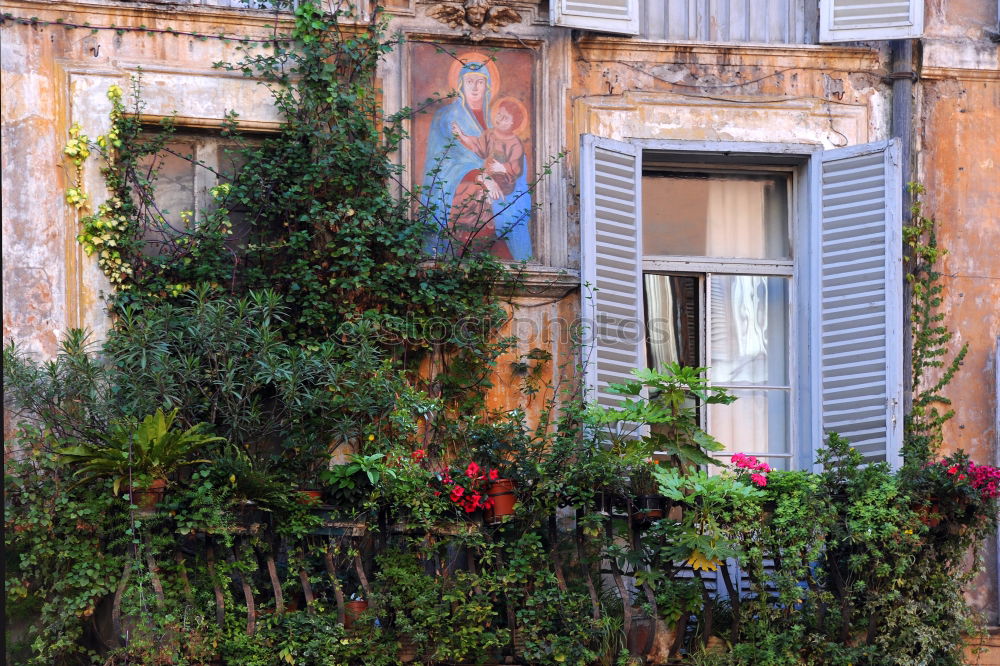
point(738, 332)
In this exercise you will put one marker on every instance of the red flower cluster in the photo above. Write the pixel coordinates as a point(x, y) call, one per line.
point(472, 495)
point(984, 478)
point(751, 464)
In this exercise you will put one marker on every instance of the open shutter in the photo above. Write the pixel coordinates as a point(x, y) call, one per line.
point(611, 265)
point(619, 16)
point(859, 289)
point(862, 20)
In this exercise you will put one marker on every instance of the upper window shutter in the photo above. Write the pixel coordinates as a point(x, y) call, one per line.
point(611, 265)
point(859, 291)
point(863, 20)
point(620, 16)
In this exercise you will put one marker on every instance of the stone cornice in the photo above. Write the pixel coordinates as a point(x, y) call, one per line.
point(101, 12)
point(959, 74)
point(777, 55)
point(543, 282)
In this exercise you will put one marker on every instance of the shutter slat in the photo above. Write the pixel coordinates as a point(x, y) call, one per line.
point(611, 261)
point(859, 286)
point(619, 16)
point(860, 20)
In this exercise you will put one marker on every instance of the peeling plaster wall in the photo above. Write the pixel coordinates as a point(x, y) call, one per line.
point(53, 77)
point(821, 95)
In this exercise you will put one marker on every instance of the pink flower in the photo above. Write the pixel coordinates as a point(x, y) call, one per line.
point(472, 470)
point(952, 469)
point(494, 475)
point(759, 479)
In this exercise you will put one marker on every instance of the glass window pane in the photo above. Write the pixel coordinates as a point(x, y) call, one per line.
point(715, 214)
point(756, 423)
point(673, 313)
point(748, 330)
point(173, 187)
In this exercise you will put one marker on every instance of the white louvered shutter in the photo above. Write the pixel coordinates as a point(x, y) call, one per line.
point(611, 265)
point(863, 20)
point(860, 295)
point(618, 16)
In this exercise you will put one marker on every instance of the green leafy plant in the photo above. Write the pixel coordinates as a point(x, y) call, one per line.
point(666, 402)
point(139, 453)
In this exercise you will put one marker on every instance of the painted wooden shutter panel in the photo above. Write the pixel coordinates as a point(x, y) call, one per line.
point(611, 264)
point(860, 298)
point(861, 20)
point(618, 16)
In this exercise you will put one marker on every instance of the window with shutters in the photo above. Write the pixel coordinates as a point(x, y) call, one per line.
point(746, 21)
point(777, 266)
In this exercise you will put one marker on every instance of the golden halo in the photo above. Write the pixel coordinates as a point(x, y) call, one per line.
point(461, 59)
point(525, 119)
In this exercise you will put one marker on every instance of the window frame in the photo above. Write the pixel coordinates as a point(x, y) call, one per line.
point(703, 267)
point(849, 280)
point(798, 161)
point(874, 30)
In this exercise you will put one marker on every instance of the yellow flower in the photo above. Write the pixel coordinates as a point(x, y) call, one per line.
point(371, 438)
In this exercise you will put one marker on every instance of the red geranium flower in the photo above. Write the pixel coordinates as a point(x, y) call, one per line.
point(494, 475)
point(472, 470)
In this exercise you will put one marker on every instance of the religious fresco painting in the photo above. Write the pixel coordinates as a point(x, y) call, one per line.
point(473, 148)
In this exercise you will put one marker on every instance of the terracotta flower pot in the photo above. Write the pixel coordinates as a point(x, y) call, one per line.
point(648, 508)
point(930, 512)
point(352, 611)
point(147, 499)
point(309, 496)
point(639, 637)
point(407, 650)
point(502, 494)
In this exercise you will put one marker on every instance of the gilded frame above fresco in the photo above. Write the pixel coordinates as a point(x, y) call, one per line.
point(473, 149)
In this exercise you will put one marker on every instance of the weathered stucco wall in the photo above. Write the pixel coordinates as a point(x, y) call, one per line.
point(54, 76)
point(822, 95)
point(958, 130)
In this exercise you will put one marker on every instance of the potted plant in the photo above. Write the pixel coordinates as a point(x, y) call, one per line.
point(646, 504)
point(504, 451)
point(353, 610)
point(955, 491)
point(140, 456)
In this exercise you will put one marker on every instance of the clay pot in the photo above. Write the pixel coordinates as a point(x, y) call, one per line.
point(930, 512)
point(407, 650)
point(639, 636)
point(147, 499)
point(648, 508)
point(309, 497)
point(502, 494)
point(352, 611)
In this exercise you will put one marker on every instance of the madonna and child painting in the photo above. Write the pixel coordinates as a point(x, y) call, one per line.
point(473, 148)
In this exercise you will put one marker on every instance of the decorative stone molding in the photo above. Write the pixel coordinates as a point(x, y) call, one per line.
point(542, 282)
point(476, 16)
